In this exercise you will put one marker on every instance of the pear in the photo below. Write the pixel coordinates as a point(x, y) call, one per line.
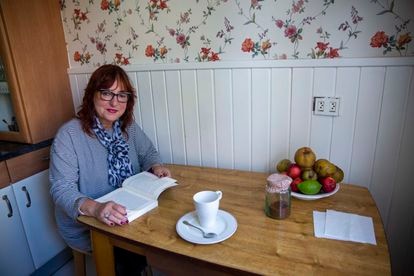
point(324, 168)
point(309, 174)
point(318, 165)
point(305, 157)
point(338, 175)
point(283, 165)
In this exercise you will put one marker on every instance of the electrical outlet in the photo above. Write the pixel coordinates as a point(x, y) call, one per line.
point(326, 106)
point(333, 104)
point(320, 105)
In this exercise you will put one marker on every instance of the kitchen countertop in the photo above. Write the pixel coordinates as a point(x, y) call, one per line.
point(11, 149)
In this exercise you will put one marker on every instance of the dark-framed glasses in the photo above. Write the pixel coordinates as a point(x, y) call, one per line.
point(108, 95)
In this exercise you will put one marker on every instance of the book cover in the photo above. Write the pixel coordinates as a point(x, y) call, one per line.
point(139, 193)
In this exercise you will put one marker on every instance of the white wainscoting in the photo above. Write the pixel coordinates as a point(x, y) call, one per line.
point(249, 115)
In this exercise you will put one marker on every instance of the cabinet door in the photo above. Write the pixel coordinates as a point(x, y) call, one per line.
point(33, 50)
point(15, 258)
point(37, 212)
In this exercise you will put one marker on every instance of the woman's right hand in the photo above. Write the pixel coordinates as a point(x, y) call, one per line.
point(108, 212)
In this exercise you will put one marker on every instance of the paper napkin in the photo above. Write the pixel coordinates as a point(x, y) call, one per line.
point(319, 224)
point(344, 226)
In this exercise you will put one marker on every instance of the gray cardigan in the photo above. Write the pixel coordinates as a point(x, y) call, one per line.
point(79, 170)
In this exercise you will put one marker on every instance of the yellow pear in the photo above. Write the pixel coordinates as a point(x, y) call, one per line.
point(324, 168)
point(305, 157)
point(283, 165)
point(338, 175)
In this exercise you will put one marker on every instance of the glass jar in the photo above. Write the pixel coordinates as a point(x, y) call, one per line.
point(277, 201)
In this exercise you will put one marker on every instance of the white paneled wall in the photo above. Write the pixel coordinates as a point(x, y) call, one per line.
point(249, 115)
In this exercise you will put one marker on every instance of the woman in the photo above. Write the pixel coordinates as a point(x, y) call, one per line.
point(92, 154)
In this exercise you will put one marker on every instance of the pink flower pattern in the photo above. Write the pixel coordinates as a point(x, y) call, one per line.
point(188, 39)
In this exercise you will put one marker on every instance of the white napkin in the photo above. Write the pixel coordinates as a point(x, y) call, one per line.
point(344, 226)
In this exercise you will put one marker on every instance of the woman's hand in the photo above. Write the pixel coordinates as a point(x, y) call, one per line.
point(160, 171)
point(109, 212)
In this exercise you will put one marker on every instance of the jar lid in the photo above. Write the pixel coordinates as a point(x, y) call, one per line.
point(277, 183)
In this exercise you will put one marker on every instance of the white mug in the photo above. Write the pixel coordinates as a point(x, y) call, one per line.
point(207, 205)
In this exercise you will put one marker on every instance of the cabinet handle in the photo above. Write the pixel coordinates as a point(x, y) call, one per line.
point(5, 198)
point(29, 201)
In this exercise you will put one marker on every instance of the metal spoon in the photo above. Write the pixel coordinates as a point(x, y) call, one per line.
point(205, 235)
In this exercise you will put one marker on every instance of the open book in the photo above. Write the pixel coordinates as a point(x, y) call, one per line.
point(139, 193)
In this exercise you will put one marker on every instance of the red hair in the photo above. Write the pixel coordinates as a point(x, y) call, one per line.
point(103, 78)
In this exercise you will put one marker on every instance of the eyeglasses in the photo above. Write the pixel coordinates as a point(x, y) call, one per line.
point(108, 95)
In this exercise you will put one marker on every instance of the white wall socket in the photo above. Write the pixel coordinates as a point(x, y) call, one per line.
point(326, 106)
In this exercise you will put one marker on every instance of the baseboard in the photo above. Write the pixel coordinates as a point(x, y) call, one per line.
point(55, 263)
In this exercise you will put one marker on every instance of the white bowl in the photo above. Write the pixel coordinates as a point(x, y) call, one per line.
point(314, 197)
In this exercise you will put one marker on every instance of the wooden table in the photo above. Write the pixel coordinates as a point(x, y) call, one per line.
point(261, 245)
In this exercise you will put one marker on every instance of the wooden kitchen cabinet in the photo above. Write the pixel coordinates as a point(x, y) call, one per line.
point(26, 165)
point(4, 175)
point(33, 50)
point(32, 227)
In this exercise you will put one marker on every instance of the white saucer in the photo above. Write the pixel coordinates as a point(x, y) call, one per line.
point(225, 227)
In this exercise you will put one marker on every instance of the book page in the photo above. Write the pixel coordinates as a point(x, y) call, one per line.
point(129, 200)
point(135, 204)
point(148, 184)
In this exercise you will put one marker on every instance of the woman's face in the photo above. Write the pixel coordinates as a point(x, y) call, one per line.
point(109, 111)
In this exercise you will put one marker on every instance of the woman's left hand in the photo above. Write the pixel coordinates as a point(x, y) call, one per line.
point(160, 171)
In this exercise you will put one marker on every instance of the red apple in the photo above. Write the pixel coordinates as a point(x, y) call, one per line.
point(294, 184)
point(328, 184)
point(294, 171)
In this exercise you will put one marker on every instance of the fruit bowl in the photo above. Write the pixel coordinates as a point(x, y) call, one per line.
point(314, 197)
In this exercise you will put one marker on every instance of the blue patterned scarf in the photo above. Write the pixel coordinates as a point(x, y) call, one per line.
point(119, 164)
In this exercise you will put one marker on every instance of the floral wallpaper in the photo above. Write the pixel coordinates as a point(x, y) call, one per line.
point(171, 31)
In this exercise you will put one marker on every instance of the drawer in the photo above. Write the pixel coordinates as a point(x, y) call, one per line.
point(28, 164)
point(4, 175)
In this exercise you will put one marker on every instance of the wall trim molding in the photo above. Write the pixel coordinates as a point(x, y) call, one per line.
point(287, 63)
